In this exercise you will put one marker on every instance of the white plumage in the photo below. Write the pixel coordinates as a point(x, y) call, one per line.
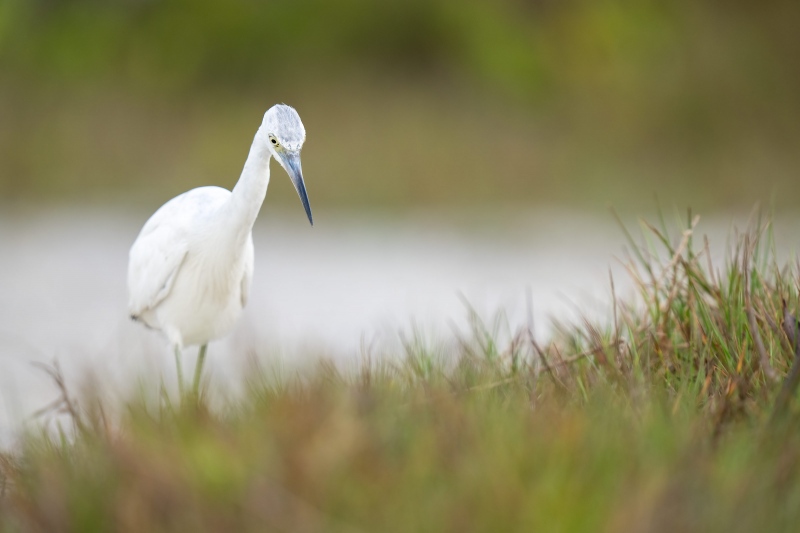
point(190, 268)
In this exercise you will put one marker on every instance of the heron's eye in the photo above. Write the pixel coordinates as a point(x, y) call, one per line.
point(273, 140)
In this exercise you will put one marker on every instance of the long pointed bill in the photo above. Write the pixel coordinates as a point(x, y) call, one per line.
point(291, 163)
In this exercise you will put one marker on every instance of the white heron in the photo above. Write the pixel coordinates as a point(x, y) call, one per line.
point(190, 268)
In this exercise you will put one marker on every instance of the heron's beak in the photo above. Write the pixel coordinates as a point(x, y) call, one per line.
point(290, 161)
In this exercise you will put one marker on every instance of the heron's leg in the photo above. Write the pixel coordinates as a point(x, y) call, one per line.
point(180, 370)
point(198, 370)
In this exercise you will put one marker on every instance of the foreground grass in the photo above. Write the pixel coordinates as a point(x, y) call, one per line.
point(675, 415)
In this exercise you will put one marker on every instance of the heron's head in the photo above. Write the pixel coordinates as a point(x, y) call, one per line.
point(285, 136)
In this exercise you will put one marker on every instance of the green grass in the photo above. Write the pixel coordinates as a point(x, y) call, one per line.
point(673, 414)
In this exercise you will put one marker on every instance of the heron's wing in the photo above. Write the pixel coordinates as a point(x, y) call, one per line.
point(158, 253)
point(154, 261)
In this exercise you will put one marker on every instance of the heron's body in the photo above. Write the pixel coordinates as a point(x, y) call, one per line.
point(203, 271)
point(190, 268)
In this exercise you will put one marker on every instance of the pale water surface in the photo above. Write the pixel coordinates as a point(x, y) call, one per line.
point(340, 289)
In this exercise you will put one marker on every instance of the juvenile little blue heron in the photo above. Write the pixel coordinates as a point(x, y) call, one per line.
point(190, 268)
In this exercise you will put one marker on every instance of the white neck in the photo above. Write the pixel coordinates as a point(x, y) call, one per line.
point(251, 189)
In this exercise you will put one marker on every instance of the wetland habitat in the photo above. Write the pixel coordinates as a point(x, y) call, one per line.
point(507, 316)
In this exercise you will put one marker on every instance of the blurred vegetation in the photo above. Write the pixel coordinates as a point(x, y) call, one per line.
point(672, 415)
point(406, 102)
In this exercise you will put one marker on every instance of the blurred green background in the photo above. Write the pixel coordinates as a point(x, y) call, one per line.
point(407, 103)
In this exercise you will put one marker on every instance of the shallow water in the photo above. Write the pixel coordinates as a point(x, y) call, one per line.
point(342, 288)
